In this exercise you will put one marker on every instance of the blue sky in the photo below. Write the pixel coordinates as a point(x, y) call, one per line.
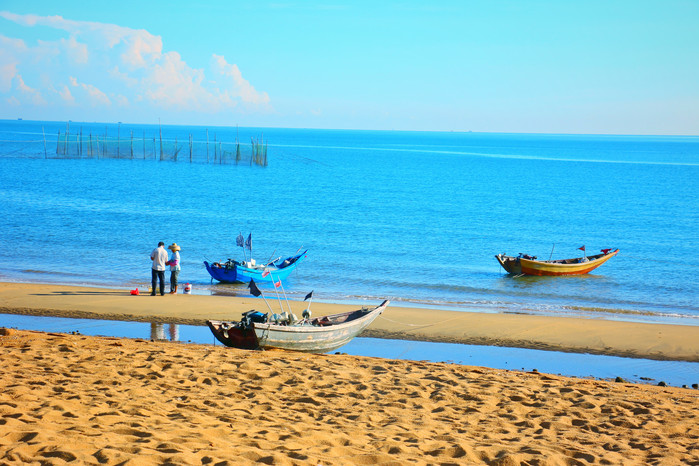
point(609, 67)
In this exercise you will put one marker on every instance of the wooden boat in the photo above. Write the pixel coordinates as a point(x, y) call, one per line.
point(529, 265)
point(318, 335)
point(233, 271)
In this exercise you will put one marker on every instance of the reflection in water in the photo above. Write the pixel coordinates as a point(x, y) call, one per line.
point(157, 332)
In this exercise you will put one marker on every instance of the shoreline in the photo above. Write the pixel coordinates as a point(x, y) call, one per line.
point(564, 334)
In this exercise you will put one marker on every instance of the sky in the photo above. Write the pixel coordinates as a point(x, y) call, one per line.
point(518, 66)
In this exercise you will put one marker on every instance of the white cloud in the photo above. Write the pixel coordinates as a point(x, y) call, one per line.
point(95, 96)
point(236, 85)
point(7, 72)
point(32, 94)
point(67, 96)
point(127, 64)
point(140, 44)
point(9, 43)
point(173, 84)
point(123, 77)
point(76, 51)
point(9, 51)
point(142, 48)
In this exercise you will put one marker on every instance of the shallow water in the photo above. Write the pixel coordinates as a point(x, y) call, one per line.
point(675, 373)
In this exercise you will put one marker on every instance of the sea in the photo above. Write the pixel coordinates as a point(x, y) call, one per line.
point(414, 217)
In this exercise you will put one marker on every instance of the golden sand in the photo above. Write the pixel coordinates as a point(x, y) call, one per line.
point(72, 399)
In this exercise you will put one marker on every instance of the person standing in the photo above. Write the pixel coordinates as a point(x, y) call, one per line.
point(174, 264)
point(159, 257)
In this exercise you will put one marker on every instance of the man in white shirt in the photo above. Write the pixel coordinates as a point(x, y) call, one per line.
point(159, 257)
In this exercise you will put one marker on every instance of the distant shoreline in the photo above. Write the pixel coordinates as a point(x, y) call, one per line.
point(565, 334)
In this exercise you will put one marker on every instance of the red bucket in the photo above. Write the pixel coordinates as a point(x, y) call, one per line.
point(134, 292)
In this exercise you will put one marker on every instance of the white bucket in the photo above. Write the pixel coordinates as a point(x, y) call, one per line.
point(187, 288)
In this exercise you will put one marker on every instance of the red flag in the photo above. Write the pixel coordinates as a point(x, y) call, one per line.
point(265, 273)
point(278, 284)
point(582, 248)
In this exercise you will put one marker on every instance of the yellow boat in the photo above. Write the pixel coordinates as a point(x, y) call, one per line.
point(529, 265)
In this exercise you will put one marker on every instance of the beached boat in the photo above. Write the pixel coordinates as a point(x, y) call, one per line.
point(529, 265)
point(233, 271)
point(319, 335)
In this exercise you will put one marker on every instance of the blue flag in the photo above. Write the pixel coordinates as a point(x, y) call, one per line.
point(248, 242)
point(239, 240)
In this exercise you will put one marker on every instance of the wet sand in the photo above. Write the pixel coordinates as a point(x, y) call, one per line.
point(594, 336)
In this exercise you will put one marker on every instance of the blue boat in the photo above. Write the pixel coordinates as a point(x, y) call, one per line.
point(233, 271)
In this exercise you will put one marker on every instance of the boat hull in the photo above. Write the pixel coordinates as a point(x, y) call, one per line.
point(321, 338)
point(241, 274)
point(232, 336)
point(576, 266)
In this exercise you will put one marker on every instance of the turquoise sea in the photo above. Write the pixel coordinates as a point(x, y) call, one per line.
point(415, 217)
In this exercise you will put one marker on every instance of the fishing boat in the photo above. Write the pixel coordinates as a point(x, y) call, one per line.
point(529, 265)
point(233, 271)
point(283, 331)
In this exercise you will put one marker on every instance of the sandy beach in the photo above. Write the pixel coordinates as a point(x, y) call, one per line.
point(74, 399)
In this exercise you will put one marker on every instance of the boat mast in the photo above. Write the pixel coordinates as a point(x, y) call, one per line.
point(240, 241)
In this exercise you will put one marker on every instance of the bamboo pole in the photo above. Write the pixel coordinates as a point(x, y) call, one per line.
point(190, 147)
point(42, 132)
point(58, 141)
point(207, 145)
point(161, 140)
point(132, 144)
point(118, 140)
point(144, 144)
